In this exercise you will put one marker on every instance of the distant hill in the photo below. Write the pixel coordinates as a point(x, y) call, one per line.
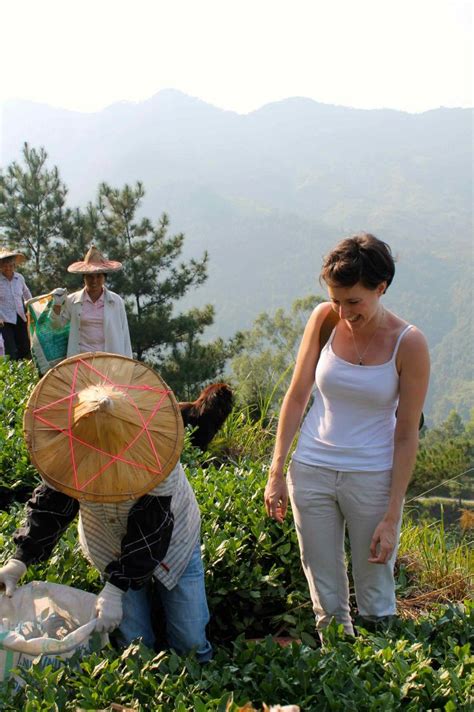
point(268, 193)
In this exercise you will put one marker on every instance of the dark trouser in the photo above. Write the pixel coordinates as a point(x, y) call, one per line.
point(16, 339)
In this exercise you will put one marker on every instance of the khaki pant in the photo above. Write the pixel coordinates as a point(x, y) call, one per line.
point(323, 502)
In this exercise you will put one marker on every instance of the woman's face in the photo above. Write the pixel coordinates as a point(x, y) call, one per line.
point(94, 284)
point(7, 268)
point(357, 305)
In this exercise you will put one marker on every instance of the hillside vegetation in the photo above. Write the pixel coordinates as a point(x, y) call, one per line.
point(256, 591)
point(267, 195)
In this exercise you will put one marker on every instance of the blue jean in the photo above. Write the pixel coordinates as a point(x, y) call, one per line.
point(185, 610)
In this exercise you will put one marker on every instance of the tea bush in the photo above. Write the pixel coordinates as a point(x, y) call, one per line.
point(252, 564)
point(414, 666)
point(17, 380)
point(255, 587)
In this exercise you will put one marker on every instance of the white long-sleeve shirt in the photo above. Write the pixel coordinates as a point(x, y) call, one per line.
point(116, 333)
point(13, 292)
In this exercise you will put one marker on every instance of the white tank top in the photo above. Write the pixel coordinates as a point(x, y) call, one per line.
point(351, 423)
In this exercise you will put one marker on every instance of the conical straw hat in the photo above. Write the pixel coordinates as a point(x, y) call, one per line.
point(6, 253)
point(103, 428)
point(94, 263)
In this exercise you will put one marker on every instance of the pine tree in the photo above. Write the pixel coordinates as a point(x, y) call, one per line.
point(33, 214)
point(151, 281)
point(35, 220)
point(190, 362)
point(445, 452)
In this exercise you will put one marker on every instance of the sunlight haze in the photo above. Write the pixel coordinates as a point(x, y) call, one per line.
point(86, 55)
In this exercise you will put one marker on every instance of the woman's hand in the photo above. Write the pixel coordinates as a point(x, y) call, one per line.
point(276, 496)
point(59, 297)
point(383, 542)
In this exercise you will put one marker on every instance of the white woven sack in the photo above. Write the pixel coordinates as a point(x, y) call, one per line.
point(47, 620)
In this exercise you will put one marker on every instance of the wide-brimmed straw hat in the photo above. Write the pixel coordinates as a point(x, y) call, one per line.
point(103, 428)
point(94, 263)
point(5, 254)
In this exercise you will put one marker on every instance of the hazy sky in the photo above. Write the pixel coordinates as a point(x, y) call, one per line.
point(412, 55)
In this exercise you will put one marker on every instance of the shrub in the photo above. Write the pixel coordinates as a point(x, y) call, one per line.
point(255, 587)
point(17, 380)
point(252, 563)
point(414, 666)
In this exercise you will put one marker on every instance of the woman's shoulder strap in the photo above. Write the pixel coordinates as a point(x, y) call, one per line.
point(407, 328)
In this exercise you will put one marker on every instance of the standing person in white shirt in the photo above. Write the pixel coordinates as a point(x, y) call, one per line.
point(97, 317)
point(357, 445)
point(13, 294)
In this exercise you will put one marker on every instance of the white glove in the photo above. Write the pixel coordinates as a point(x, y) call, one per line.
point(10, 574)
point(59, 296)
point(109, 608)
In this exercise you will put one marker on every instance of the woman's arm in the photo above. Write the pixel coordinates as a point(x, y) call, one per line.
point(294, 404)
point(414, 378)
point(61, 311)
point(48, 514)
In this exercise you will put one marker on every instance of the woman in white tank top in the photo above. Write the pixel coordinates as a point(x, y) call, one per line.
point(355, 456)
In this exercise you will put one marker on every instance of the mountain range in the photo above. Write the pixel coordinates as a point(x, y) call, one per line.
point(269, 192)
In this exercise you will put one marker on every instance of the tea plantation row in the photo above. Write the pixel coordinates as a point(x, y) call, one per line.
point(255, 587)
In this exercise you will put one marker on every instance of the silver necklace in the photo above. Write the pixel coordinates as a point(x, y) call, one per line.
point(360, 356)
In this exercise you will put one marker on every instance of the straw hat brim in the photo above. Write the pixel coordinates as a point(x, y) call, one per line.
point(19, 256)
point(103, 453)
point(104, 267)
